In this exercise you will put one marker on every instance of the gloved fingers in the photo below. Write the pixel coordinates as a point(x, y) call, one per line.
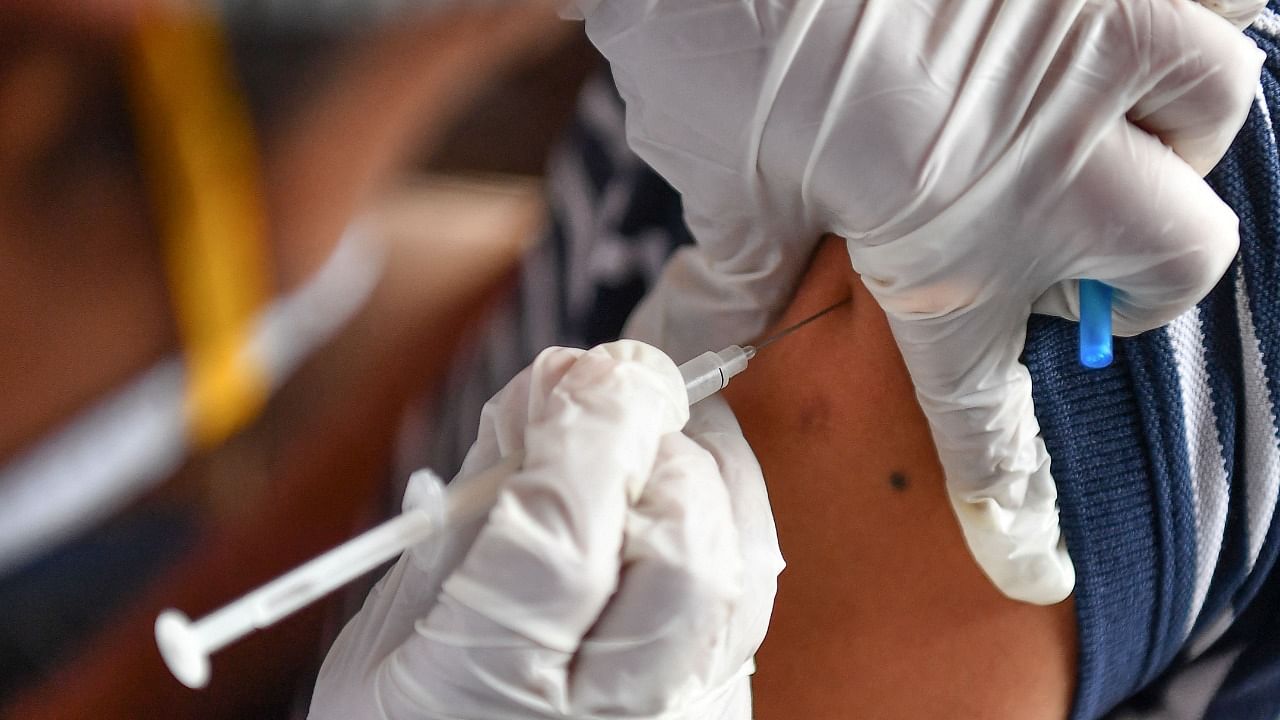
point(547, 559)
point(713, 426)
point(500, 435)
point(977, 397)
point(1238, 12)
point(1062, 299)
point(1146, 224)
point(503, 418)
point(726, 287)
point(1201, 76)
point(658, 643)
point(344, 686)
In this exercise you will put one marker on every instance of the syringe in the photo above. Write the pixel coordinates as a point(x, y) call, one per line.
point(186, 645)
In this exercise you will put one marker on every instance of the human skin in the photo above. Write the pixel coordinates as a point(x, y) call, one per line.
point(881, 612)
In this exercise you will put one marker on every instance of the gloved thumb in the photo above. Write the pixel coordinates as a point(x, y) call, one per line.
point(1238, 12)
point(977, 398)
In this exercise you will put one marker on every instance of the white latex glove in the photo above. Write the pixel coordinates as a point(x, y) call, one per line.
point(627, 571)
point(1239, 12)
point(979, 155)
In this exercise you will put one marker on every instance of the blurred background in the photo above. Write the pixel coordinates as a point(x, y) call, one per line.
point(456, 206)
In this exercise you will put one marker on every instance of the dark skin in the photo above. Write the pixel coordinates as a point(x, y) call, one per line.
point(882, 612)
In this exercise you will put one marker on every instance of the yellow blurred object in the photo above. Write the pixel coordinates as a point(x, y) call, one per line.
point(198, 145)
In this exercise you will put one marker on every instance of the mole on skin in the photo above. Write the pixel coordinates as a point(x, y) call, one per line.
point(898, 481)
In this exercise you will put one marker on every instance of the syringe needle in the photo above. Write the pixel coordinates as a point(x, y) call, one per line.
point(710, 372)
point(753, 349)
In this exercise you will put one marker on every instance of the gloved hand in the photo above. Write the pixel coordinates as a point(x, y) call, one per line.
point(1238, 12)
point(627, 571)
point(978, 155)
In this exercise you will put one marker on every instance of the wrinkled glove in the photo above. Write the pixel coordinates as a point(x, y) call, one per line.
point(627, 570)
point(978, 155)
point(1240, 13)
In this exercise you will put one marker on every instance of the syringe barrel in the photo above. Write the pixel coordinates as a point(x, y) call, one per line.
point(472, 497)
point(709, 373)
point(318, 577)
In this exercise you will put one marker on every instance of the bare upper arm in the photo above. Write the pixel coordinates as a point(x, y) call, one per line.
point(881, 612)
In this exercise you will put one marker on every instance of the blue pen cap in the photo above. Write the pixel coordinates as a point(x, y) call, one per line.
point(1095, 324)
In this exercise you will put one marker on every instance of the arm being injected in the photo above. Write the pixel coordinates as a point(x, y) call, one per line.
point(187, 645)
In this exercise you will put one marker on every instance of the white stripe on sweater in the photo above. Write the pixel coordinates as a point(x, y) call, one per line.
point(1262, 456)
point(1209, 487)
